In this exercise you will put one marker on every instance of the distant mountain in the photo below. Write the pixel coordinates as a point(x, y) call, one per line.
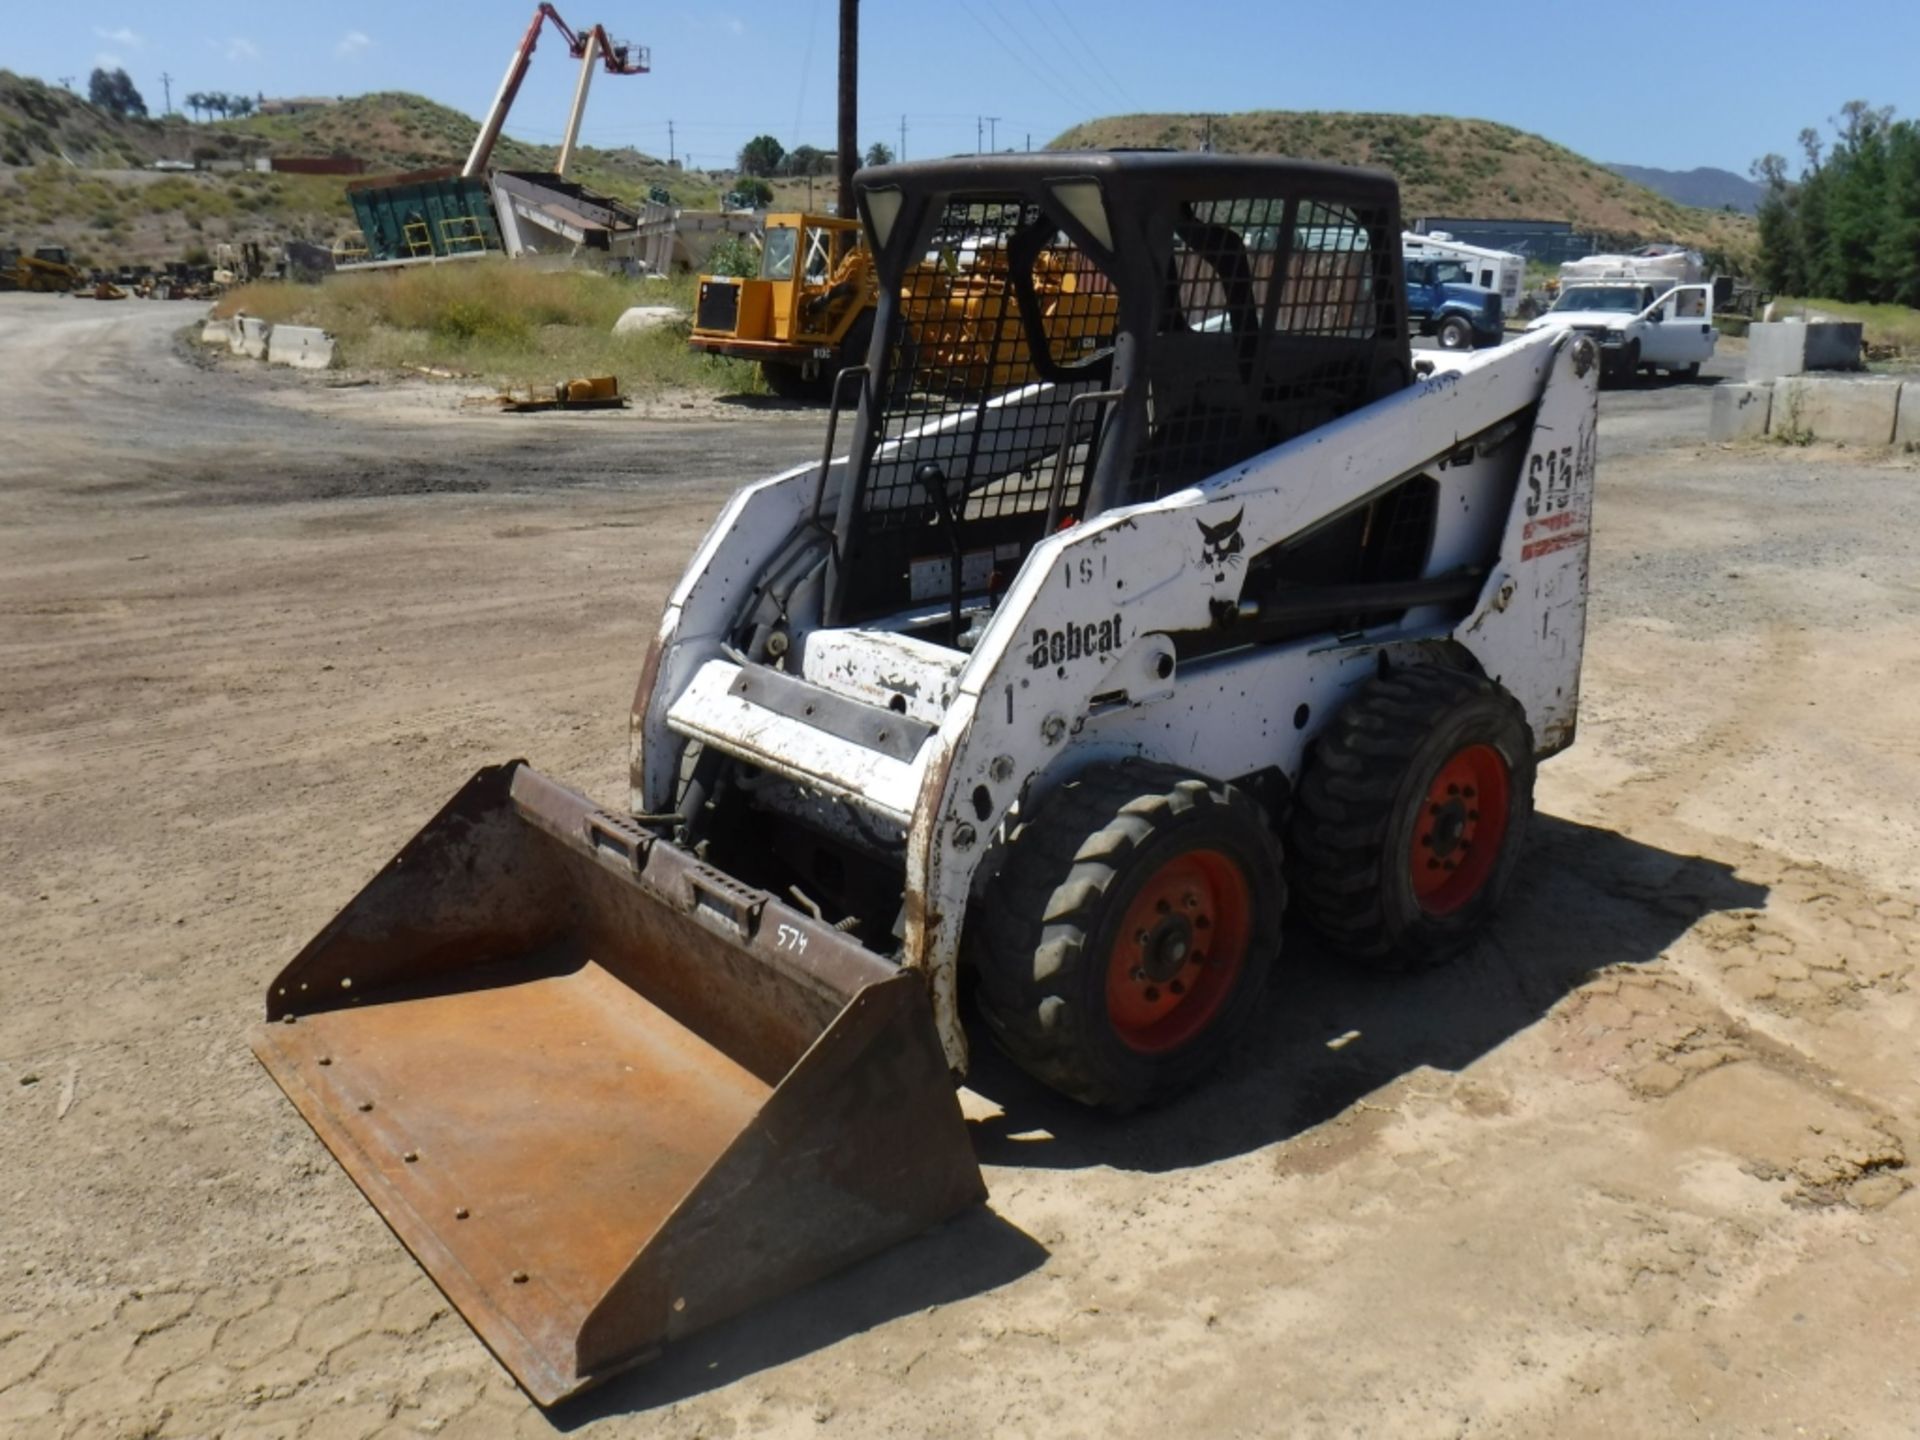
point(1705, 188)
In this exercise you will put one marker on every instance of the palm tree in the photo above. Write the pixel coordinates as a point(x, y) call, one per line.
point(196, 102)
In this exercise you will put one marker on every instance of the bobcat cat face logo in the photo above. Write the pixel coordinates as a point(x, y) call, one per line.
point(1221, 544)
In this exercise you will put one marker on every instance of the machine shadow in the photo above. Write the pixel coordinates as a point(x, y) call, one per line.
point(1583, 898)
point(969, 1255)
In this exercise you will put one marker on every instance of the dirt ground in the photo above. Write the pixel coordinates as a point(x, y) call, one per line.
point(1637, 1166)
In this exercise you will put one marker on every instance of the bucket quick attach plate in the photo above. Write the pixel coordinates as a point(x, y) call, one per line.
point(604, 1093)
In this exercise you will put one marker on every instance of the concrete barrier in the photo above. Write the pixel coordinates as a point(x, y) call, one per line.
point(1793, 347)
point(217, 332)
point(302, 346)
point(1739, 412)
point(1848, 412)
point(640, 318)
point(253, 337)
point(1906, 422)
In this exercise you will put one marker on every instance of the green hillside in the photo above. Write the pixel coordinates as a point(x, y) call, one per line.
point(1447, 166)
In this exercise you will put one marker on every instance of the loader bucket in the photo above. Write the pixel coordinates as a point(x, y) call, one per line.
point(604, 1093)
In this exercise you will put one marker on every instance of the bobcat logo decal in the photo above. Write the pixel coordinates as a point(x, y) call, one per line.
point(1221, 544)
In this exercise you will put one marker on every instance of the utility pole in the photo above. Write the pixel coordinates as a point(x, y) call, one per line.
point(66, 82)
point(979, 133)
point(993, 133)
point(1029, 142)
point(669, 144)
point(1206, 145)
point(166, 84)
point(903, 139)
point(848, 160)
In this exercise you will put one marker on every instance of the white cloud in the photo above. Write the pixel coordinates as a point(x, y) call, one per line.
point(237, 49)
point(352, 43)
point(122, 36)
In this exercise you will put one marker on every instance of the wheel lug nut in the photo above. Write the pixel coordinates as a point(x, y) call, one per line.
point(1201, 922)
point(1163, 907)
point(1176, 987)
point(1140, 937)
point(1453, 789)
point(1467, 793)
point(1138, 974)
point(1152, 994)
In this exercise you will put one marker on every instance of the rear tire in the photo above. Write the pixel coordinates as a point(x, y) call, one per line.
point(1455, 334)
point(789, 383)
point(1127, 943)
point(1689, 373)
point(1411, 813)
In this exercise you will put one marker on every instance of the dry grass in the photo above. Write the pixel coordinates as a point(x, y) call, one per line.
point(506, 321)
point(1886, 327)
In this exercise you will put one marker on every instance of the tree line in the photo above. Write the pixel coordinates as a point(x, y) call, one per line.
point(1848, 228)
point(766, 157)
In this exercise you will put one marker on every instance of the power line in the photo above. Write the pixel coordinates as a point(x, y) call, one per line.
point(1094, 55)
point(1049, 81)
point(1081, 98)
point(1064, 47)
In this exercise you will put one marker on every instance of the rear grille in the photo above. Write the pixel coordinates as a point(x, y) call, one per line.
point(719, 307)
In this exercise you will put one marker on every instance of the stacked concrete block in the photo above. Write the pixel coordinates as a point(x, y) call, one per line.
point(1794, 347)
point(1739, 412)
point(1906, 421)
point(1855, 411)
point(303, 346)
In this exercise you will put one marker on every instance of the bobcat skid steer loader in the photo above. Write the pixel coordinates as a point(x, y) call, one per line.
point(1069, 682)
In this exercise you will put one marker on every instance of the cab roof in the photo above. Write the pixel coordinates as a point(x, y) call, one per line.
point(1135, 172)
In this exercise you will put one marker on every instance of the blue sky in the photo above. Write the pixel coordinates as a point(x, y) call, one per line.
point(1675, 83)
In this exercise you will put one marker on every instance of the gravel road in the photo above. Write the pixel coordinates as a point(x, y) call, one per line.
point(1637, 1165)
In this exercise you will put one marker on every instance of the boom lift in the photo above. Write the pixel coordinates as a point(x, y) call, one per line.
point(616, 58)
point(1081, 673)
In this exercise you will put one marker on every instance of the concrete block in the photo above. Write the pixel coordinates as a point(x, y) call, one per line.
point(303, 346)
point(1906, 422)
point(1853, 411)
point(1793, 347)
point(217, 332)
point(1739, 412)
point(253, 337)
point(641, 318)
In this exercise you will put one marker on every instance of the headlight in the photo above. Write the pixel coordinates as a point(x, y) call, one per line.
point(1613, 337)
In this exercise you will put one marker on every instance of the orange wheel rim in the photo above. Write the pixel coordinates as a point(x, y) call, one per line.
point(1179, 951)
point(1461, 827)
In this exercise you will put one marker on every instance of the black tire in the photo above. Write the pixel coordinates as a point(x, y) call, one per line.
point(1689, 373)
point(1374, 780)
point(1455, 333)
point(1049, 945)
point(789, 383)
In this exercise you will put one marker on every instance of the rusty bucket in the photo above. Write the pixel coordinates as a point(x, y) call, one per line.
point(604, 1093)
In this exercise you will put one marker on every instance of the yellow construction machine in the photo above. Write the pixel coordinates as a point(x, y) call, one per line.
point(806, 316)
point(47, 270)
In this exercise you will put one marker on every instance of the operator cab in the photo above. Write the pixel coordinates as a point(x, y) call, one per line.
point(1059, 335)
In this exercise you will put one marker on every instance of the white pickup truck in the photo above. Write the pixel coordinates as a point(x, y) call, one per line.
point(1639, 324)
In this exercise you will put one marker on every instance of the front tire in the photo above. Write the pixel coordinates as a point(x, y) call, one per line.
point(1411, 813)
point(1455, 334)
point(1128, 942)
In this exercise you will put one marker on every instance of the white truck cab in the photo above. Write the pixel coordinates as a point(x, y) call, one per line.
point(1639, 323)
